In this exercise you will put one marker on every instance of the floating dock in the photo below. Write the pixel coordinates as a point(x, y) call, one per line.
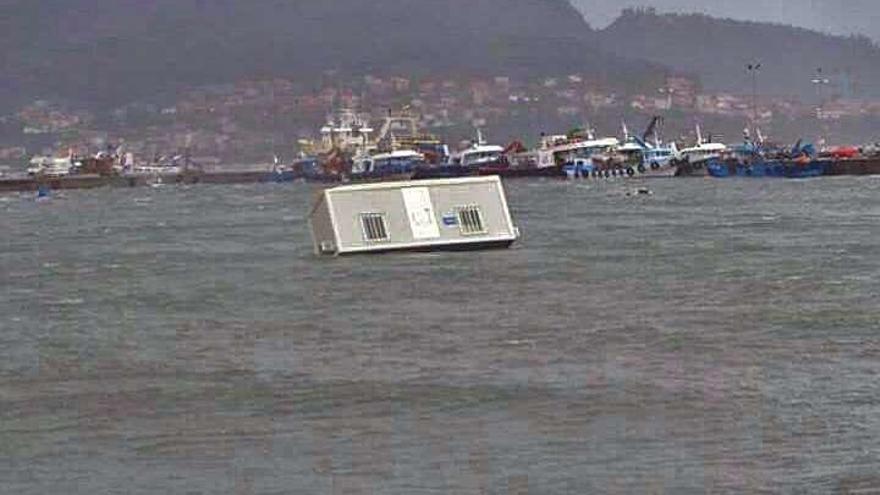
point(424, 215)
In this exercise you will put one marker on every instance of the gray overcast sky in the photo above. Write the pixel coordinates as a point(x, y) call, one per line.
point(836, 16)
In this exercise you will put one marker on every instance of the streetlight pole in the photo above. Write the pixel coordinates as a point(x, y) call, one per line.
point(753, 69)
point(820, 81)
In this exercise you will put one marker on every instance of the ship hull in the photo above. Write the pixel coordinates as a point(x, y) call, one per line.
point(855, 166)
point(692, 169)
point(787, 169)
point(512, 172)
point(625, 172)
point(358, 178)
point(444, 172)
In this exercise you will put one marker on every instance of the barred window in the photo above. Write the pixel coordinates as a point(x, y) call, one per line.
point(374, 227)
point(470, 220)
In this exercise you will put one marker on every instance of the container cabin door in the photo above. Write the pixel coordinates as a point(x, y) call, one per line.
point(420, 212)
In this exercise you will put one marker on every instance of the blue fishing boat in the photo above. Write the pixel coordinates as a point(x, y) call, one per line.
point(758, 161)
point(398, 164)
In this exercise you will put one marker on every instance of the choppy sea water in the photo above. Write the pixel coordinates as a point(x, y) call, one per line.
point(715, 336)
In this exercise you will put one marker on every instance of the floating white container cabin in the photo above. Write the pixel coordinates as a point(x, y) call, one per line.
point(443, 214)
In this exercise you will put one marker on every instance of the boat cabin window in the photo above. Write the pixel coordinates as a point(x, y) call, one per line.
point(634, 156)
point(470, 220)
point(588, 152)
point(480, 156)
point(374, 227)
point(397, 161)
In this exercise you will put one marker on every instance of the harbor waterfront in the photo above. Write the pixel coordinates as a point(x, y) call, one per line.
point(713, 336)
point(257, 174)
point(348, 152)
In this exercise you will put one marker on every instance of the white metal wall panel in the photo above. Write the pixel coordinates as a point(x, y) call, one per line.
point(420, 213)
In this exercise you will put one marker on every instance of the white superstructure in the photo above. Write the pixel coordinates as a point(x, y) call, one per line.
point(704, 150)
point(50, 166)
point(346, 131)
point(479, 153)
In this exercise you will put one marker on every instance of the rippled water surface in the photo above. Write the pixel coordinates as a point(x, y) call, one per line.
point(716, 336)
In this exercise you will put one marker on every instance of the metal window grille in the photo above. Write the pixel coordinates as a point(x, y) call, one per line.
point(470, 220)
point(374, 227)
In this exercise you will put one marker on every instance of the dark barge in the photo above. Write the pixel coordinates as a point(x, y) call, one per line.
point(854, 166)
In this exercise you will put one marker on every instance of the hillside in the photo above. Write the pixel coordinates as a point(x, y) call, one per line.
point(842, 17)
point(718, 50)
point(103, 52)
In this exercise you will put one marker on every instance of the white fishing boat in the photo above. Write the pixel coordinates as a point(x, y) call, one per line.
point(574, 150)
point(692, 160)
point(480, 154)
point(631, 158)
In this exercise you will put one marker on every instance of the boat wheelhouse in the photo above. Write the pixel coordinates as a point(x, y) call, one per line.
point(346, 131)
point(399, 162)
point(46, 166)
point(577, 157)
point(478, 158)
point(703, 150)
point(480, 154)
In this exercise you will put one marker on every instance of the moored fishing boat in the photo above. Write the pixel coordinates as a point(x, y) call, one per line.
point(349, 154)
point(573, 154)
point(479, 158)
point(759, 161)
point(634, 157)
point(691, 161)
